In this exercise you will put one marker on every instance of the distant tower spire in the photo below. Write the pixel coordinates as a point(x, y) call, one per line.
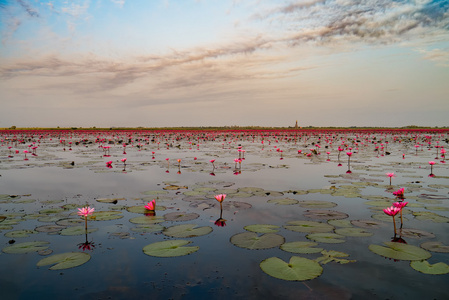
point(296, 124)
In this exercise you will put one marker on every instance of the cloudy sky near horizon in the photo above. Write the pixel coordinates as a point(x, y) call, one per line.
point(165, 63)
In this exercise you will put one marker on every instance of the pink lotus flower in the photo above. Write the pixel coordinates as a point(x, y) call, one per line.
point(85, 211)
point(392, 211)
point(123, 159)
point(391, 175)
point(348, 153)
point(220, 197)
point(431, 163)
point(399, 193)
point(220, 222)
point(151, 205)
point(400, 204)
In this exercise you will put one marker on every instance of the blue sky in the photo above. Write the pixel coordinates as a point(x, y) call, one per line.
point(214, 63)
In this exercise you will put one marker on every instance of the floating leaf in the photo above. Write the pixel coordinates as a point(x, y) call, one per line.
point(400, 251)
point(70, 222)
point(110, 200)
point(147, 220)
point(284, 201)
point(169, 248)
point(416, 233)
point(105, 215)
point(298, 268)
point(430, 216)
point(301, 247)
point(20, 233)
point(174, 187)
point(64, 260)
point(427, 268)
point(181, 216)
point(148, 228)
point(367, 223)
point(49, 211)
point(76, 230)
point(250, 240)
point(262, 228)
point(356, 232)
point(435, 247)
point(333, 255)
point(187, 230)
point(49, 228)
point(26, 247)
point(325, 214)
point(340, 223)
point(331, 238)
point(140, 209)
point(317, 204)
point(154, 193)
point(308, 226)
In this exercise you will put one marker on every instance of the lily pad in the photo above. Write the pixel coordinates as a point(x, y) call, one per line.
point(297, 269)
point(110, 200)
point(147, 220)
point(64, 260)
point(430, 216)
point(367, 223)
point(330, 238)
point(427, 268)
point(250, 240)
point(26, 247)
point(325, 214)
point(76, 230)
point(340, 223)
point(262, 228)
point(416, 233)
point(171, 248)
point(20, 233)
point(435, 247)
point(284, 201)
point(70, 222)
point(301, 247)
point(317, 204)
point(187, 230)
point(180, 216)
point(154, 193)
point(49, 228)
point(308, 226)
point(105, 215)
point(333, 255)
point(356, 232)
point(148, 228)
point(400, 251)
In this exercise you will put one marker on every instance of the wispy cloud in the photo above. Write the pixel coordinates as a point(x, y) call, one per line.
point(441, 57)
point(32, 12)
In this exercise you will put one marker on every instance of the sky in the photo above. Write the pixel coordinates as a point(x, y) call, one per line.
point(166, 63)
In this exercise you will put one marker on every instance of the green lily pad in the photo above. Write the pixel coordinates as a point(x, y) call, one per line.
point(317, 204)
point(340, 223)
point(49, 211)
point(435, 247)
point(262, 228)
point(367, 223)
point(76, 230)
point(26, 247)
point(301, 247)
point(169, 248)
point(325, 214)
point(105, 215)
point(148, 228)
point(356, 232)
point(333, 255)
point(155, 193)
point(64, 260)
point(250, 240)
point(427, 268)
point(297, 269)
point(430, 216)
point(70, 222)
point(330, 238)
point(147, 220)
point(187, 230)
point(49, 228)
point(416, 233)
point(181, 216)
point(308, 226)
point(284, 201)
point(110, 200)
point(140, 209)
point(400, 251)
point(20, 233)
point(174, 187)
